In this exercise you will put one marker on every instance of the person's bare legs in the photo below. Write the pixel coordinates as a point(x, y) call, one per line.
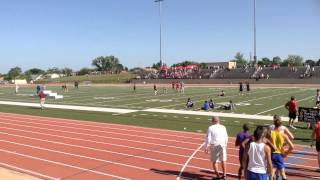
point(283, 173)
point(224, 168)
point(215, 169)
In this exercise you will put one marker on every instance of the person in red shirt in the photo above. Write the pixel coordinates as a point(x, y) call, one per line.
point(42, 97)
point(292, 107)
point(316, 136)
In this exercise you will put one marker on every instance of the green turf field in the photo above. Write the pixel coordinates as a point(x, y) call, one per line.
point(264, 101)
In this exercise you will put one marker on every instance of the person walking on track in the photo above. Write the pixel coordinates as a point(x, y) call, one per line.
point(216, 142)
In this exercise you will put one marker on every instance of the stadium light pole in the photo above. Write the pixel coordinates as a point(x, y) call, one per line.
point(160, 14)
point(254, 34)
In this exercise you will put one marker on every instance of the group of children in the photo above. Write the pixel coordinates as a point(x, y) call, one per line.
point(209, 104)
point(262, 154)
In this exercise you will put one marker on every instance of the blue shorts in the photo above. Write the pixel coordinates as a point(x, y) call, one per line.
point(257, 176)
point(277, 161)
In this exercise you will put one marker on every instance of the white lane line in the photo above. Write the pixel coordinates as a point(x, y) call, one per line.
point(106, 125)
point(107, 128)
point(118, 145)
point(62, 164)
point(92, 135)
point(189, 159)
point(282, 106)
point(27, 171)
point(75, 155)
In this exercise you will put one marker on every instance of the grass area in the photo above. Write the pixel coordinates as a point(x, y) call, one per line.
point(155, 120)
point(109, 78)
point(265, 101)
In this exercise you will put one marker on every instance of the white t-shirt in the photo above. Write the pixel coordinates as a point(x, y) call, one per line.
point(257, 158)
point(217, 135)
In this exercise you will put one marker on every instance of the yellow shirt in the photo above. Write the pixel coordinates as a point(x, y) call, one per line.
point(277, 141)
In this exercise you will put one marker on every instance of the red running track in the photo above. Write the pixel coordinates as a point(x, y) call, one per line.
point(54, 148)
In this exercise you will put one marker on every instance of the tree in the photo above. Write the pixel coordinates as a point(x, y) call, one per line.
point(67, 71)
point(276, 60)
point(240, 60)
point(157, 65)
point(294, 60)
point(265, 62)
point(53, 70)
point(34, 71)
point(14, 73)
point(185, 63)
point(318, 63)
point(109, 64)
point(311, 62)
point(84, 71)
point(202, 66)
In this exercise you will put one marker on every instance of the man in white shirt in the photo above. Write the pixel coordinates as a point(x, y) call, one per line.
point(216, 141)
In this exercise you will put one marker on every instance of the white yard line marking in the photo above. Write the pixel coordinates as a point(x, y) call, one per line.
point(27, 171)
point(81, 108)
point(189, 159)
point(220, 114)
point(63, 164)
point(282, 106)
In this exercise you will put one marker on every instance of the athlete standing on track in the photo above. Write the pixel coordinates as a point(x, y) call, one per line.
point(257, 162)
point(292, 107)
point(241, 136)
point(216, 141)
point(278, 139)
point(240, 88)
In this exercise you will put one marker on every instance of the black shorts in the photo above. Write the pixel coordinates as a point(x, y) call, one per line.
point(317, 103)
point(318, 146)
point(293, 115)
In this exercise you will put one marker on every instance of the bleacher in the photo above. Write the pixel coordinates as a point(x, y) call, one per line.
point(238, 73)
point(282, 72)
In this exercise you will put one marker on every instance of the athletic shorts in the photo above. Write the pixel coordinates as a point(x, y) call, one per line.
point(293, 115)
point(317, 103)
point(218, 153)
point(277, 161)
point(256, 176)
point(318, 146)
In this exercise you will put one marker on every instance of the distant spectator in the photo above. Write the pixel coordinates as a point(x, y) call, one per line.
point(292, 107)
point(211, 104)
point(205, 106)
point(229, 106)
point(221, 93)
point(189, 103)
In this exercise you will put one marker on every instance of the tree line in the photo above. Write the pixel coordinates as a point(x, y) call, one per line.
point(101, 64)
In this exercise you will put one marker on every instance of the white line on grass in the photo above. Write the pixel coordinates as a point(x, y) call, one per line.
point(189, 159)
point(282, 106)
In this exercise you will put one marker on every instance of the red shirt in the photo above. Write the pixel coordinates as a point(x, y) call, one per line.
point(42, 95)
point(317, 131)
point(292, 106)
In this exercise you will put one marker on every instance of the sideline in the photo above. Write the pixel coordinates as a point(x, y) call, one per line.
point(125, 111)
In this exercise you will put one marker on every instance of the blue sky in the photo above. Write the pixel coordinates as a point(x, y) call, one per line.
point(70, 33)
